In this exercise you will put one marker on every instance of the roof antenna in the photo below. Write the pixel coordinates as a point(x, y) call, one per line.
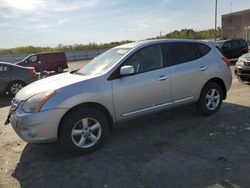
point(231, 6)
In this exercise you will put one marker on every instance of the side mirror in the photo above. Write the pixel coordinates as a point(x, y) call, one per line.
point(127, 70)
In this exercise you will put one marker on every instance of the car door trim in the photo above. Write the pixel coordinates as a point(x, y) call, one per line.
point(146, 109)
point(155, 107)
point(184, 99)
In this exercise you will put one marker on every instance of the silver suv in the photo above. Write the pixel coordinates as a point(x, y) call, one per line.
point(128, 81)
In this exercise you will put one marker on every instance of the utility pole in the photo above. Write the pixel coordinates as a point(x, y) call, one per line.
point(215, 28)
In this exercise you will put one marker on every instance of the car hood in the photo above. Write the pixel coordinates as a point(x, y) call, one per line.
point(49, 84)
point(245, 57)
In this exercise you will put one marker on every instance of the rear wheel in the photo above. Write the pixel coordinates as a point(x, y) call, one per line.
point(210, 99)
point(14, 87)
point(59, 69)
point(83, 130)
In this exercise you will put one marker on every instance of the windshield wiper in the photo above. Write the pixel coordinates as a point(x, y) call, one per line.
point(78, 73)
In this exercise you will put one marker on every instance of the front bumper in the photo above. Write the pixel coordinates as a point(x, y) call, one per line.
point(242, 71)
point(37, 127)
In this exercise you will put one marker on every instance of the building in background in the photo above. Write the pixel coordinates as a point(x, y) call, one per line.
point(236, 25)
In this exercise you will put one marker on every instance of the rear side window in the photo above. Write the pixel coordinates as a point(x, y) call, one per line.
point(180, 52)
point(202, 48)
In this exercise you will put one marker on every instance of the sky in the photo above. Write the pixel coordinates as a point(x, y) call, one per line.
point(53, 22)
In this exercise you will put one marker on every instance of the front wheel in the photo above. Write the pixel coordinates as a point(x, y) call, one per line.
point(83, 130)
point(210, 99)
point(14, 87)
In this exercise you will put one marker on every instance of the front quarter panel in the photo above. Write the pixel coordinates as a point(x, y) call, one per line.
point(95, 90)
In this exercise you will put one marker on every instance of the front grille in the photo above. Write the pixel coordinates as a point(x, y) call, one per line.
point(14, 104)
point(247, 63)
point(245, 71)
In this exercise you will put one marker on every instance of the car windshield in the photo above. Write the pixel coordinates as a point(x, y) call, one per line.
point(26, 57)
point(103, 62)
point(220, 44)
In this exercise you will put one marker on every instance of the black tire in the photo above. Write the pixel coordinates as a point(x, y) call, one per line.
point(241, 79)
point(74, 119)
point(59, 70)
point(203, 102)
point(14, 87)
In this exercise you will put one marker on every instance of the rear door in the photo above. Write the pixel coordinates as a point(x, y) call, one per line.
point(148, 89)
point(187, 70)
point(5, 77)
point(228, 49)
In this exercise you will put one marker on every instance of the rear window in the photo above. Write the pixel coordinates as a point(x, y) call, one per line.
point(180, 52)
point(243, 43)
point(202, 48)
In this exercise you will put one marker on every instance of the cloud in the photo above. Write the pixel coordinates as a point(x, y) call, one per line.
point(66, 8)
point(25, 5)
point(143, 25)
point(63, 21)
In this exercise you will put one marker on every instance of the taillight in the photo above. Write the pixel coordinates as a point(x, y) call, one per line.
point(226, 60)
point(32, 72)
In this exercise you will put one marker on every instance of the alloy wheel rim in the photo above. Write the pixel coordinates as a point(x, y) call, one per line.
point(59, 69)
point(86, 132)
point(15, 88)
point(212, 99)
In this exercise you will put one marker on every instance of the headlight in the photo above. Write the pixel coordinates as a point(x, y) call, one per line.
point(35, 103)
point(241, 62)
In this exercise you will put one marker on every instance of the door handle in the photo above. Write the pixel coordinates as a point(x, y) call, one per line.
point(3, 76)
point(203, 68)
point(162, 78)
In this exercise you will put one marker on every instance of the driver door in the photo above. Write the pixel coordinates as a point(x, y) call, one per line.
point(145, 91)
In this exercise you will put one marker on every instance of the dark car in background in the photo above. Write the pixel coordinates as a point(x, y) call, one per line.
point(14, 77)
point(53, 61)
point(233, 48)
point(242, 68)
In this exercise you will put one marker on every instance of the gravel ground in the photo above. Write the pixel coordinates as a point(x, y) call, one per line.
point(176, 148)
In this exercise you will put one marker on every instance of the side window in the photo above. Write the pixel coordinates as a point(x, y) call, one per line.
point(227, 45)
point(4, 68)
point(146, 59)
point(236, 43)
point(33, 58)
point(180, 52)
point(202, 48)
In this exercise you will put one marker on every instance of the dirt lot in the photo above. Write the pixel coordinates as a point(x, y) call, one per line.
point(177, 148)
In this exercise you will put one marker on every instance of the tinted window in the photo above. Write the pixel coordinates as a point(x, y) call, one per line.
point(3, 68)
point(227, 45)
point(146, 59)
point(202, 48)
point(236, 44)
point(243, 43)
point(180, 52)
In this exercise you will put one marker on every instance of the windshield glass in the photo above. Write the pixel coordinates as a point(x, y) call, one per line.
point(26, 58)
point(103, 62)
point(220, 44)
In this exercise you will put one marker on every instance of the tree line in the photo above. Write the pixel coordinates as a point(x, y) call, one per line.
point(184, 33)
